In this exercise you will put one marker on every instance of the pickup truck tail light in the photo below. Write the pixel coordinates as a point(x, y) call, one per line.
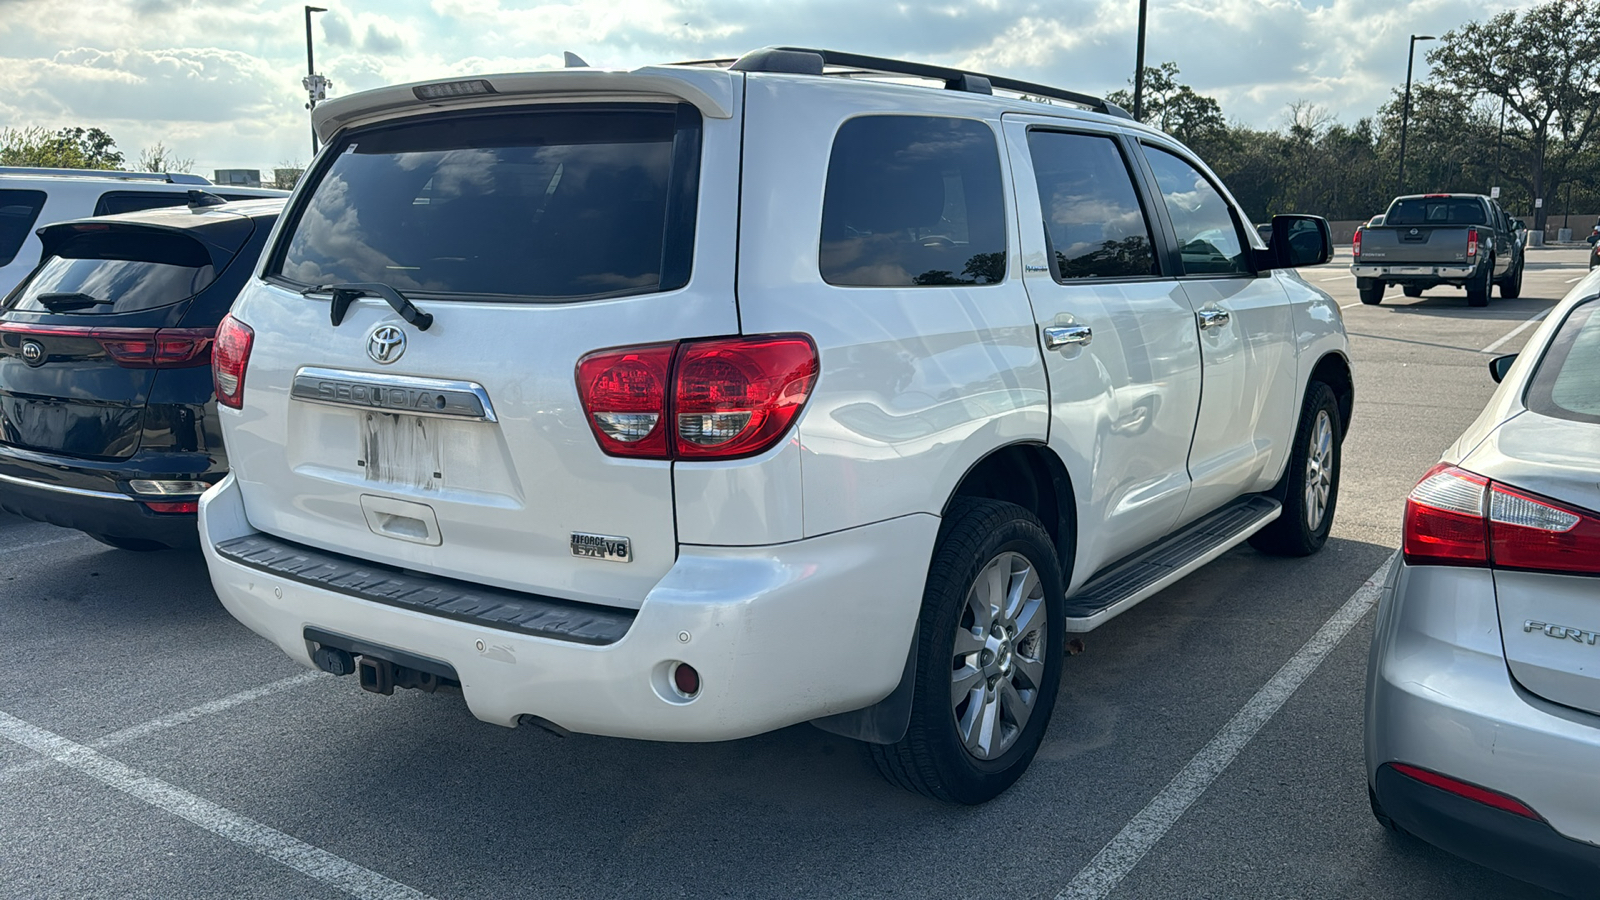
point(1472, 243)
point(729, 398)
point(1355, 245)
point(1459, 518)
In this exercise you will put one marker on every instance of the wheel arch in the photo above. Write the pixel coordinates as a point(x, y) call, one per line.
point(1333, 369)
point(1032, 476)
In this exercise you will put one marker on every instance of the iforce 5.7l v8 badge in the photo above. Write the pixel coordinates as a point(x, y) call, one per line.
point(602, 546)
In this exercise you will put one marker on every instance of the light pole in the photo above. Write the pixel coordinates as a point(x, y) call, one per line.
point(1138, 66)
point(1405, 111)
point(316, 86)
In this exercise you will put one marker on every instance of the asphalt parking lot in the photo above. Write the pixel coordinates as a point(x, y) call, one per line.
point(1206, 744)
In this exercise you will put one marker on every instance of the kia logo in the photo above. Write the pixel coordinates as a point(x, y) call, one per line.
point(386, 344)
point(33, 353)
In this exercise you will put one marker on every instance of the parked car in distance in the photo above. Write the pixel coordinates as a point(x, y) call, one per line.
point(1594, 246)
point(32, 197)
point(498, 418)
point(1483, 696)
point(107, 421)
point(1428, 240)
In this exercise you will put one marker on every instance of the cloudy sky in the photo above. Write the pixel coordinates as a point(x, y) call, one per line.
point(219, 80)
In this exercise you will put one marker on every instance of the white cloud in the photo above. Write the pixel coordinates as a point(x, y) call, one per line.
point(220, 79)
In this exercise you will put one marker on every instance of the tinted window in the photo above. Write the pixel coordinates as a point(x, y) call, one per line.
point(553, 204)
point(113, 202)
point(18, 210)
point(117, 272)
point(1092, 215)
point(1206, 233)
point(1436, 211)
point(1567, 383)
point(913, 200)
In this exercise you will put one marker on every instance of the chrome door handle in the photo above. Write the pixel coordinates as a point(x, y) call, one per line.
point(1058, 336)
point(1213, 318)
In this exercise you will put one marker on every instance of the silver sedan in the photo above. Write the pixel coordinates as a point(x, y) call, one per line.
point(1483, 684)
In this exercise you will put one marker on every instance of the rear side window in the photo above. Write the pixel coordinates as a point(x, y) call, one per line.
point(117, 272)
point(114, 202)
point(18, 211)
point(1436, 211)
point(1567, 382)
point(564, 203)
point(1092, 216)
point(1208, 237)
point(913, 201)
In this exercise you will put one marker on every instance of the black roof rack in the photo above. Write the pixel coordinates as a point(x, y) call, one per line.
point(806, 61)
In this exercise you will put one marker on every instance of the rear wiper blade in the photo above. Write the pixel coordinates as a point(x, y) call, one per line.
point(345, 294)
point(56, 301)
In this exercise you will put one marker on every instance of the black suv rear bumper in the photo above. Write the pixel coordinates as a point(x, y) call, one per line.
point(1526, 849)
point(89, 495)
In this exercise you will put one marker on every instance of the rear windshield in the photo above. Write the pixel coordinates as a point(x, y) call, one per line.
point(556, 204)
point(18, 210)
point(1567, 382)
point(117, 272)
point(1436, 211)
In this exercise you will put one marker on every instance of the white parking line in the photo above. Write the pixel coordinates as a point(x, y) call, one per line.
point(1514, 332)
point(1348, 305)
point(336, 871)
point(170, 720)
point(1576, 280)
point(1117, 858)
point(64, 539)
point(1335, 278)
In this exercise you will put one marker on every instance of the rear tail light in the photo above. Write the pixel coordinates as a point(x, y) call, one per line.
point(1455, 517)
point(624, 393)
point(729, 398)
point(1463, 789)
point(1355, 245)
point(133, 348)
point(229, 359)
point(1472, 242)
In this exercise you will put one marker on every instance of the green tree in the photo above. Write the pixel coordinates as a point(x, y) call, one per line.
point(1175, 108)
point(69, 148)
point(1544, 62)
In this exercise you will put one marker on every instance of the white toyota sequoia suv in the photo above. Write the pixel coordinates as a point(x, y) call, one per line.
point(695, 401)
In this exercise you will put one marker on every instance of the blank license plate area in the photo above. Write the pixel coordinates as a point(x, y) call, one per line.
point(1416, 270)
point(402, 449)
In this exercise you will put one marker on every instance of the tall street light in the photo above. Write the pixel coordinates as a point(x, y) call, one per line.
point(1138, 66)
point(316, 86)
point(1405, 111)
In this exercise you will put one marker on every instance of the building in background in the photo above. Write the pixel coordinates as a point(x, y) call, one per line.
point(238, 177)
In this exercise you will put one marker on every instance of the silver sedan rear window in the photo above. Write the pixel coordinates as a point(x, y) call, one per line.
point(1567, 382)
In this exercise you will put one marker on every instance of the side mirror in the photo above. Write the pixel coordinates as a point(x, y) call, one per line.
point(1500, 365)
point(1297, 241)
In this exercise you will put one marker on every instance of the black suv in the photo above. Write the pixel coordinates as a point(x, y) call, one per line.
point(107, 417)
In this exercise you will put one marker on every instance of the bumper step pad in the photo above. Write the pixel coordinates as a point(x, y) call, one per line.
point(490, 607)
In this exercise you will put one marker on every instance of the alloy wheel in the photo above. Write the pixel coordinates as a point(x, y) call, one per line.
point(997, 665)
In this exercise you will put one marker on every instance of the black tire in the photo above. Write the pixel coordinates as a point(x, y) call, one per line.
point(136, 545)
point(1372, 296)
point(1412, 290)
point(1293, 533)
point(1511, 285)
point(1478, 287)
point(931, 758)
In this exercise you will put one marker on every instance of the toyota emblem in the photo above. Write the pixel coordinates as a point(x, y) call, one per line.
point(386, 344)
point(33, 353)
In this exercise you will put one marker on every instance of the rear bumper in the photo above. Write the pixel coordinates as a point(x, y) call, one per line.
point(1506, 842)
point(1440, 697)
point(1416, 274)
point(779, 634)
point(101, 509)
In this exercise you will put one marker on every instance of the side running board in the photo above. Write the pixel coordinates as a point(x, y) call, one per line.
point(1118, 588)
